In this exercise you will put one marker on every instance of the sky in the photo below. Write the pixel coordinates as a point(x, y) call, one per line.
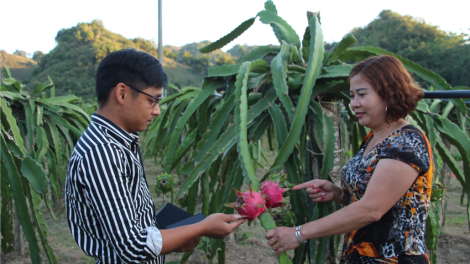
point(32, 25)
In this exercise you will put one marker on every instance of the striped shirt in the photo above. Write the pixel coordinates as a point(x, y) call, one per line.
point(109, 207)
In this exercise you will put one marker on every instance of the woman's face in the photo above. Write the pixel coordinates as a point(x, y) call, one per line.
point(366, 103)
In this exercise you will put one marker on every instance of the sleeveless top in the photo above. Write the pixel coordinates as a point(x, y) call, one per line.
point(401, 230)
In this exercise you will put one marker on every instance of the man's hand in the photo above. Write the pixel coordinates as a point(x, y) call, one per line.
point(188, 246)
point(221, 225)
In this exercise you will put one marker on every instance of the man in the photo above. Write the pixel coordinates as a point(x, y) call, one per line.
point(109, 207)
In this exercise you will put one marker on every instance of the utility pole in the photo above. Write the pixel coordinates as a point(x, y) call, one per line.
point(160, 41)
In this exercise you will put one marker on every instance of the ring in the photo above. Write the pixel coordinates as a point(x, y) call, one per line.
point(272, 239)
point(275, 247)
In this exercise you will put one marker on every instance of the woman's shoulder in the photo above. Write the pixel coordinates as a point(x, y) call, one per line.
point(406, 135)
point(408, 144)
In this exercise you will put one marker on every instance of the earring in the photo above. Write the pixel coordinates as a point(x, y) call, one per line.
point(386, 109)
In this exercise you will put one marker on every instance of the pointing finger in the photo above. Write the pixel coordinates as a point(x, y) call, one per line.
point(303, 185)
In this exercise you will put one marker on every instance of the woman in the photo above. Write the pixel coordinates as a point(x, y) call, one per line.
point(386, 186)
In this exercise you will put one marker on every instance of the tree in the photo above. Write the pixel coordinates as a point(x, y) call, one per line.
point(420, 42)
point(21, 53)
point(37, 56)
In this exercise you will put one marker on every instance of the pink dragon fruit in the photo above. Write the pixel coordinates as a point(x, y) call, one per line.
point(273, 194)
point(249, 204)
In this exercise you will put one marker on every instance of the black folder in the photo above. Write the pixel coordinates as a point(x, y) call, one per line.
point(171, 216)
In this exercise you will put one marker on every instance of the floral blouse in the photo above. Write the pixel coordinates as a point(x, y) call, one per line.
point(400, 232)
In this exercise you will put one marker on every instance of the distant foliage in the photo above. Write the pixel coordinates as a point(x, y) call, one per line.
point(73, 62)
point(37, 56)
point(21, 53)
point(445, 53)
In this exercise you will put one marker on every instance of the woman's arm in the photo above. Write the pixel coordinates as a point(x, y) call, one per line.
point(389, 182)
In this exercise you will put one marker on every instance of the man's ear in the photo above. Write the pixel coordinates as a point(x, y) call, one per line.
point(119, 93)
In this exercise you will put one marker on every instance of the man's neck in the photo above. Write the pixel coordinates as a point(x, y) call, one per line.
point(112, 114)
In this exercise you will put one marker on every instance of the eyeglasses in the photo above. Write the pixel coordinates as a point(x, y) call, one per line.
point(154, 103)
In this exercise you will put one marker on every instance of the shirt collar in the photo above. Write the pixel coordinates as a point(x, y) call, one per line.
point(116, 131)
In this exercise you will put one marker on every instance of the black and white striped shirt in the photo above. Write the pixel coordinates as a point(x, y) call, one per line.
point(109, 207)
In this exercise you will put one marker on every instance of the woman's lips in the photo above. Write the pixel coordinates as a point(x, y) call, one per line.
point(358, 115)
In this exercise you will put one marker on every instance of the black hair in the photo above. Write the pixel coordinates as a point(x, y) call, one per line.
point(132, 67)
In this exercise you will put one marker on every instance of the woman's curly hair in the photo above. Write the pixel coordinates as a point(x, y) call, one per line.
point(393, 83)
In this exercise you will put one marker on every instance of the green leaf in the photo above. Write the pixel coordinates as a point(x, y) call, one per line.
point(329, 146)
point(459, 139)
point(336, 71)
point(59, 121)
point(70, 106)
point(331, 87)
point(20, 201)
point(205, 92)
point(279, 74)
point(216, 124)
point(41, 227)
point(42, 142)
point(11, 124)
point(224, 70)
point(259, 53)
point(57, 143)
point(269, 6)
point(6, 72)
point(12, 95)
point(450, 161)
point(313, 70)
point(43, 87)
point(285, 30)
point(339, 48)
point(69, 99)
point(35, 174)
point(354, 55)
point(229, 37)
point(241, 121)
point(6, 213)
point(53, 173)
point(184, 148)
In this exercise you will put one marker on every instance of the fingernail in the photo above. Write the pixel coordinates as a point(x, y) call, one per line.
point(318, 190)
point(238, 216)
point(313, 186)
point(322, 194)
point(322, 197)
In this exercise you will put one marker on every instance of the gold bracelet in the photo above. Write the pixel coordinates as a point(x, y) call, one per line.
point(341, 199)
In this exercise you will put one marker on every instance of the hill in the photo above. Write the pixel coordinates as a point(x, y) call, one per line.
point(73, 62)
point(446, 53)
point(19, 66)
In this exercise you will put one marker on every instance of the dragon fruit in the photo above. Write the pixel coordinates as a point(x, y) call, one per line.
point(273, 194)
point(249, 204)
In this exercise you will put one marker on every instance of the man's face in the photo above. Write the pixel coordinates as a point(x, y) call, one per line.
point(141, 109)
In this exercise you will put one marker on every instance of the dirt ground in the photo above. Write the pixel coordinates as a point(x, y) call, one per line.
point(454, 243)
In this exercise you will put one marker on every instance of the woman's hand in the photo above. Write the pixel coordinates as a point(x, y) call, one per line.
point(320, 191)
point(220, 225)
point(281, 239)
point(188, 246)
